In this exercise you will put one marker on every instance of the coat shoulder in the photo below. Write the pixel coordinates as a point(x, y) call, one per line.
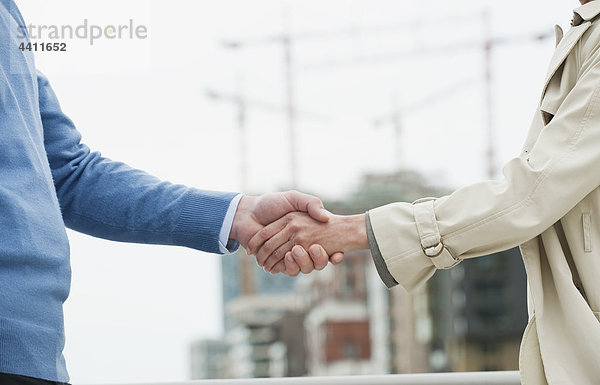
point(590, 41)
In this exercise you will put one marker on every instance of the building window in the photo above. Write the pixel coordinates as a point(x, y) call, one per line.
point(350, 350)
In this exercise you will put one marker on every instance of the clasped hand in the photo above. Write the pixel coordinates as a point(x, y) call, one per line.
point(291, 232)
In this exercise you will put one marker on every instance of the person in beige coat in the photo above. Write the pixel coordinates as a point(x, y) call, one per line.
point(548, 203)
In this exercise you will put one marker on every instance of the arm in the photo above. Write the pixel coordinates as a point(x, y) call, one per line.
point(537, 190)
point(110, 200)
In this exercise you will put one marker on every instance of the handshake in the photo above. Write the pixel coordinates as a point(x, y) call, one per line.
point(291, 232)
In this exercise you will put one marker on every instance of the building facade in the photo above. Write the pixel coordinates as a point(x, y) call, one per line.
point(343, 320)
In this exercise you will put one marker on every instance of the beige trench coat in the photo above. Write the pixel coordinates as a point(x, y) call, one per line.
point(548, 203)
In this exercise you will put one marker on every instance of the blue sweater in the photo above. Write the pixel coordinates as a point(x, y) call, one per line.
point(49, 179)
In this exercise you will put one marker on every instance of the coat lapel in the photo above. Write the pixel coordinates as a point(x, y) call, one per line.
point(563, 49)
point(558, 34)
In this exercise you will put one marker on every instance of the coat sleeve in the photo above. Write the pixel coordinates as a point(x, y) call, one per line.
point(537, 189)
point(111, 200)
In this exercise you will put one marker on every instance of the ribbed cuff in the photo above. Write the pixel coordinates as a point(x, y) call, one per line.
point(380, 265)
point(201, 220)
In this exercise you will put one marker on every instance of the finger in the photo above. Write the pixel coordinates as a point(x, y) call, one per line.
point(271, 248)
point(291, 267)
point(337, 258)
point(309, 204)
point(277, 256)
point(302, 259)
point(279, 267)
point(318, 256)
point(264, 235)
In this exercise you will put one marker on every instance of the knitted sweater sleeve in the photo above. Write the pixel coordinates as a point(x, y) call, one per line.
point(111, 200)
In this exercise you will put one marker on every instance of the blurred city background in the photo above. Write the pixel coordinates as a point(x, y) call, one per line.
point(362, 103)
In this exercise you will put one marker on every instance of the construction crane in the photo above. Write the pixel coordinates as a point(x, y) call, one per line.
point(394, 118)
point(287, 41)
point(487, 45)
point(242, 104)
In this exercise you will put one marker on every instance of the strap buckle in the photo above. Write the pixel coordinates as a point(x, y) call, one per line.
point(429, 233)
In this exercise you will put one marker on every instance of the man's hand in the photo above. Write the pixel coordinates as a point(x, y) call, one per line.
point(279, 239)
point(253, 213)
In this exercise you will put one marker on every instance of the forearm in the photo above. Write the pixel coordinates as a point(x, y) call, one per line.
point(559, 168)
point(110, 200)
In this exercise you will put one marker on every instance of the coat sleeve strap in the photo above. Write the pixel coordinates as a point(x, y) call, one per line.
point(429, 233)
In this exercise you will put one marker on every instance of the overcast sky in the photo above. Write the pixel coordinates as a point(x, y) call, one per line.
point(134, 309)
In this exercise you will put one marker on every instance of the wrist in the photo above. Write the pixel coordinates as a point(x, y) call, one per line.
point(361, 241)
point(244, 210)
point(354, 230)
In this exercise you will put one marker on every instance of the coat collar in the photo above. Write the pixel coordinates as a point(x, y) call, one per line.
point(586, 12)
point(581, 22)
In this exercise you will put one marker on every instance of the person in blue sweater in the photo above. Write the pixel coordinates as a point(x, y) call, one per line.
point(49, 179)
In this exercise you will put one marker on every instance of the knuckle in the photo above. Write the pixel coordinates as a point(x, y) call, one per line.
point(272, 260)
point(294, 237)
point(276, 255)
point(263, 234)
point(300, 239)
point(267, 249)
point(263, 255)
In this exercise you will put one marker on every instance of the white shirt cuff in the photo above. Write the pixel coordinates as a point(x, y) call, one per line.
point(227, 245)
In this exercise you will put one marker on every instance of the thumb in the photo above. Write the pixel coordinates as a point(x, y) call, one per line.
point(337, 258)
point(309, 204)
point(319, 256)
